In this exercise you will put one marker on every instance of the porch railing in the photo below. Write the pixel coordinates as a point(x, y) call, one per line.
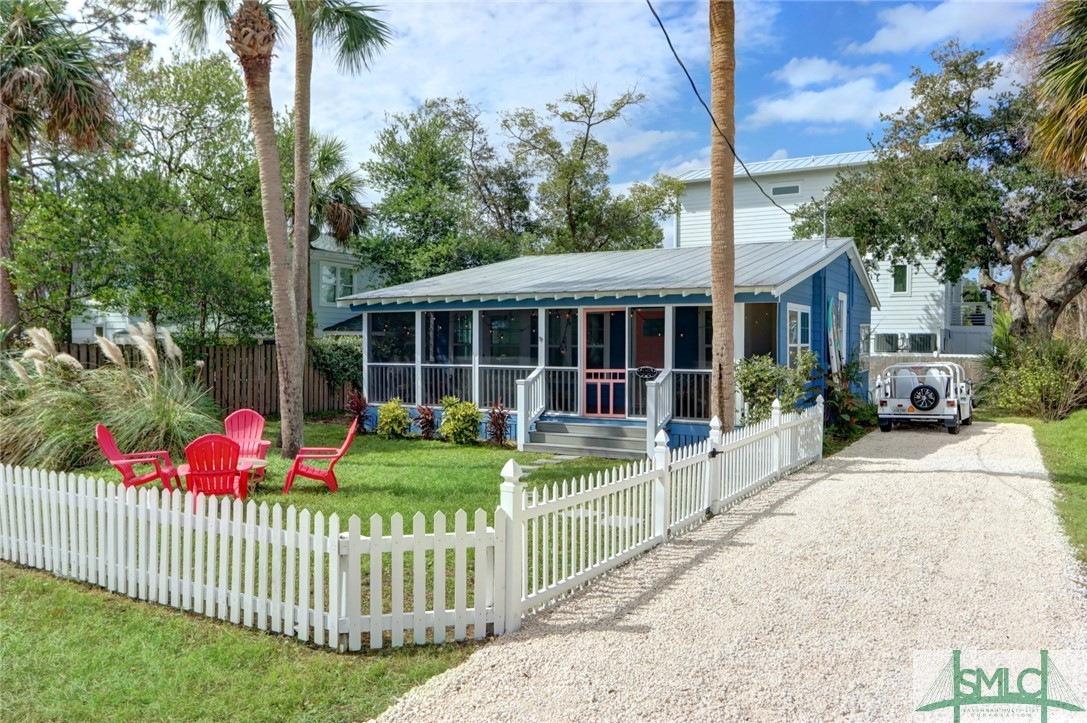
point(446, 381)
point(531, 403)
point(563, 390)
point(974, 313)
point(692, 394)
point(499, 384)
point(385, 381)
point(659, 399)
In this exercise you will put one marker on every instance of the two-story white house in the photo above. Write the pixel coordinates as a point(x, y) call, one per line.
point(917, 313)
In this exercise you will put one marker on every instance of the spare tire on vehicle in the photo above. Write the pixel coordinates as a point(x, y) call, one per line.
point(924, 397)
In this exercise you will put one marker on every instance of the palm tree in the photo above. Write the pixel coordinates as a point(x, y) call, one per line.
point(49, 86)
point(356, 38)
point(1057, 40)
point(722, 244)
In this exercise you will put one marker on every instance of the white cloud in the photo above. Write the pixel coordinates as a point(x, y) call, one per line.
point(1012, 74)
point(803, 72)
point(857, 101)
point(916, 27)
point(779, 155)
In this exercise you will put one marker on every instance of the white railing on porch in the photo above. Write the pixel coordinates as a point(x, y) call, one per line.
point(375, 583)
point(692, 394)
point(563, 390)
point(659, 398)
point(499, 384)
point(385, 381)
point(531, 403)
point(971, 313)
point(446, 380)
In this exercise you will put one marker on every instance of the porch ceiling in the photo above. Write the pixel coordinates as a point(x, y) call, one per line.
point(760, 267)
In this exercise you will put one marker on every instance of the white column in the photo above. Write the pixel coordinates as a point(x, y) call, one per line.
point(669, 336)
point(738, 331)
point(418, 357)
point(365, 355)
point(541, 336)
point(476, 349)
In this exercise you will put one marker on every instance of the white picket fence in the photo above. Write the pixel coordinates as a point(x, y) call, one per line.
point(302, 575)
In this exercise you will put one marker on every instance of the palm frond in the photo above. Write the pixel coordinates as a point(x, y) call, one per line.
point(355, 35)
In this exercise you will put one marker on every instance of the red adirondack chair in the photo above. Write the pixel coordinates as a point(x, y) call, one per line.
point(246, 427)
point(332, 454)
point(124, 463)
point(212, 467)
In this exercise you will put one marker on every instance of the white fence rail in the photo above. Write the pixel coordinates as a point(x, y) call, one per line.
point(304, 576)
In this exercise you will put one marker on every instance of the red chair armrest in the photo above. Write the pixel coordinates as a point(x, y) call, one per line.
point(156, 453)
point(142, 460)
point(262, 448)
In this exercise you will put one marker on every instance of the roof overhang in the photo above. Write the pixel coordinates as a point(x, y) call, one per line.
point(858, 267)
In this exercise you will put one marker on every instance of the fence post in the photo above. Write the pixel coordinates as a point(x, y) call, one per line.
point(713, 468)
point(661, 488)
point(512, 500)
point(819, 416)
point(775, 443)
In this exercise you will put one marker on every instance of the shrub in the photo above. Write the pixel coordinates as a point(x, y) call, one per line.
point(761, 380)
point(426, 421)
point(339, 359)
point(498, 422)
point(393, 421)
point(1044, 378)
point(460, 422)
point(358, 406)
point(47, 417)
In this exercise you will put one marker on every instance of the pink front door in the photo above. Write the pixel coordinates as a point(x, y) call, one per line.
point(604, 344)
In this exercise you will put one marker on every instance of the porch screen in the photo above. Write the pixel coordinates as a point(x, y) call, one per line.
point(448, 337)
point(509, 337)
point(392, 338)
point(693, 337)
point(562, 337)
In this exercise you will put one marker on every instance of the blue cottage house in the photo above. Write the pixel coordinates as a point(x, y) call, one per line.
point(598, 351)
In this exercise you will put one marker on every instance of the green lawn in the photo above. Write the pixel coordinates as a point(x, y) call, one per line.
point(385, 476)
point(72, 652)
point(1064, 450)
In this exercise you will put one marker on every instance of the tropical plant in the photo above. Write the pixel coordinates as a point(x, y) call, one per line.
point(393, 421)
point(426, 421)
point(49, 87)
point(359, 408)
point(722, 232)
point(460, 422)
point(498, 422)
point(1045, 378)
point(1056, 45)
point(761, 380)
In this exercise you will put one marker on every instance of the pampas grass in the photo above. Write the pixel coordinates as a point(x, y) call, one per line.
point(48, 420)
point(42, 340)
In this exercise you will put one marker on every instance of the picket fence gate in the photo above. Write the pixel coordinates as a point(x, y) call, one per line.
point(304, 576)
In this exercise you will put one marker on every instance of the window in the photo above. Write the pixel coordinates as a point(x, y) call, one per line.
point(448, 337)
point(508, 337)
point(562, 337)
point(789, 189)
point(692, 339)
point(799, 331)
point(886, 343)
point(922, 343)
point(336, 281)
point(900, 279)
point(99, 329)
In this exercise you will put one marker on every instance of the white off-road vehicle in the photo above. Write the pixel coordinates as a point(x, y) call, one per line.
point(936, 391)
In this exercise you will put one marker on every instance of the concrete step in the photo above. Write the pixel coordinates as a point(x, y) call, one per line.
point(584, 451)
point(629, 431)
point(578, 440)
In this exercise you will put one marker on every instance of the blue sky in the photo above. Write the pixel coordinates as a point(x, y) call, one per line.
point(812, 77)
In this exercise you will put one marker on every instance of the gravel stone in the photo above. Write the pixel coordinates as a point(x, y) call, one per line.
point(806, 601)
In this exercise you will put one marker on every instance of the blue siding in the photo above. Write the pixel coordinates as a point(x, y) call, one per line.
point(801, 294)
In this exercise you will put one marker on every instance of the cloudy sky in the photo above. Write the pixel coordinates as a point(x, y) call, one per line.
point(812, 77)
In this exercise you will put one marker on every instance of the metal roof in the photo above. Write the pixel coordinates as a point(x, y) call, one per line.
point(786, 165)
point(760, 267)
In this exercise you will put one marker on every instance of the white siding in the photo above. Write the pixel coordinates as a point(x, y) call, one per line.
point(756, 218)
point(114, 323)
point(325, 314)
point(922, 309)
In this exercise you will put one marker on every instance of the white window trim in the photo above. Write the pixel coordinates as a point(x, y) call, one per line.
point(789, 346)
point(321, 282)
point(909, 280)
point(799, 189)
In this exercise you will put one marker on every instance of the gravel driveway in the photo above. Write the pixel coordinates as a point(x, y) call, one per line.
point(805, 602)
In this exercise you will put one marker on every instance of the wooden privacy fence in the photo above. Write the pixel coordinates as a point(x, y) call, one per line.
point(238, 376)
point(378, 584)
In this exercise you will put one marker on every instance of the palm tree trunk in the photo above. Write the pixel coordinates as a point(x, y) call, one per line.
point(284, 309)
point(722, 244)
point(303, 72)
point(9, 305)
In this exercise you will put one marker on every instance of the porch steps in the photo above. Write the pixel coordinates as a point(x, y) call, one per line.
point(613, 441)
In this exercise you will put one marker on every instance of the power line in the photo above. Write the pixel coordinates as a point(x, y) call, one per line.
point(698, 95)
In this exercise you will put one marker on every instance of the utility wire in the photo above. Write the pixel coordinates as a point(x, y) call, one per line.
point(698, 95)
